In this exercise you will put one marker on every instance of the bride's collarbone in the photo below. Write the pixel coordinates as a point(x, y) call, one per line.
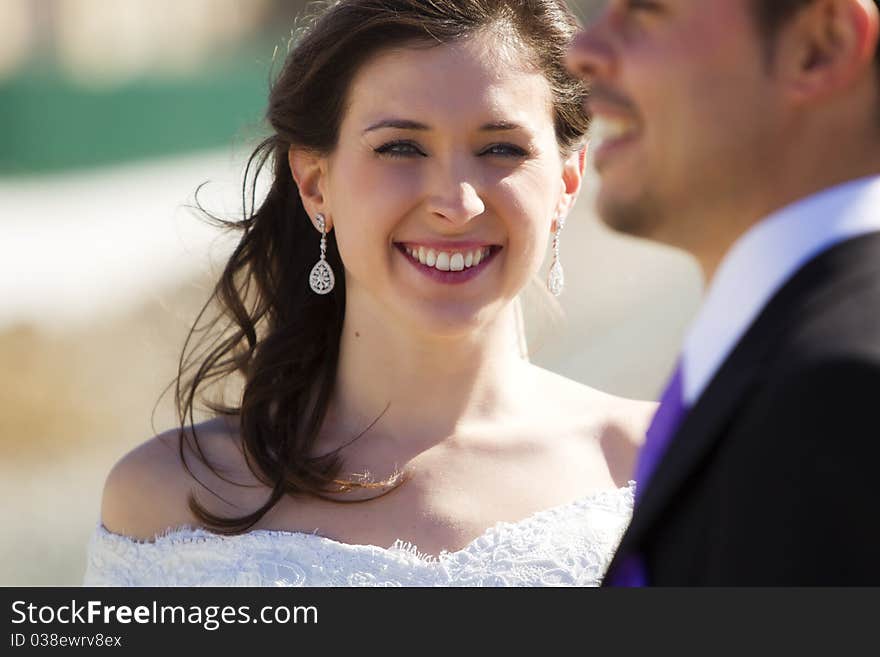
point(434, 518)
point(450, 497)
point(431, 529)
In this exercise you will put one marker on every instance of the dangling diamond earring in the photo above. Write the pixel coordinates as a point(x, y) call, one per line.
point(556, 277)
point(322, 280)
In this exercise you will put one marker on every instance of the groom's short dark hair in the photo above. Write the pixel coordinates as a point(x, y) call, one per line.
point(773, 14)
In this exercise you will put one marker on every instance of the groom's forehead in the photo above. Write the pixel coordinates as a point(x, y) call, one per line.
point(738, 16)
point(589, 10)
point(763, 17)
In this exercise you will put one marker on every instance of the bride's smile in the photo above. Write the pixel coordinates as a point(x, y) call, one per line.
point(450, 263)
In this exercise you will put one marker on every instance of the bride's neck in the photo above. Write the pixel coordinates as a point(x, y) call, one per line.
point(427, 382)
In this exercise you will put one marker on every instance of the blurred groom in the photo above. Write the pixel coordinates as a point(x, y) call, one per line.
point(747, 132)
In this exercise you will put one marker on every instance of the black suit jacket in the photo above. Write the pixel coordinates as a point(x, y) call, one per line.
point(774, 476)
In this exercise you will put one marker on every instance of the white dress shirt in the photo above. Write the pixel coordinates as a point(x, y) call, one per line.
point(762, 261)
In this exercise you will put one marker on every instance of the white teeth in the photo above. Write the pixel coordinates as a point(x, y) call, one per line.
point(604, 128)
point(442, 263)
point(448, 260)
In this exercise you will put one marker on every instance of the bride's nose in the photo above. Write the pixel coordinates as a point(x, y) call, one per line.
point(456, 201)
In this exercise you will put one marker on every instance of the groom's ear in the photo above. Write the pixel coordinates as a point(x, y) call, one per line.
point(828, 46)
point(572, 179)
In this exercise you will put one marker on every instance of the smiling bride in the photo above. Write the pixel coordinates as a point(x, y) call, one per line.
point(390, 429)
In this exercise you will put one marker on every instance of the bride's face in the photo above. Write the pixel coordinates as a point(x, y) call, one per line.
point(445, 182)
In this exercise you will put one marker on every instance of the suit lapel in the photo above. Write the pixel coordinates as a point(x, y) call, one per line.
point(698, 433)
point(702, 428)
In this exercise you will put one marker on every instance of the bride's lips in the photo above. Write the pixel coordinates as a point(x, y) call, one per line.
point(467, 253)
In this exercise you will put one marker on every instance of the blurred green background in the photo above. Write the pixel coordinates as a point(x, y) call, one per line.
point(93, 82)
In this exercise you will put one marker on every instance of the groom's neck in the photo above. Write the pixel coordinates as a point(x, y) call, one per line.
point(801, 175)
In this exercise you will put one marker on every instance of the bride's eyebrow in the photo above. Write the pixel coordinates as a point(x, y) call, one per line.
point(500, 126)
point(406, 124)
point(400, 124)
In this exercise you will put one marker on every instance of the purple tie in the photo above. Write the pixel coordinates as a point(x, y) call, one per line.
point(631, 570)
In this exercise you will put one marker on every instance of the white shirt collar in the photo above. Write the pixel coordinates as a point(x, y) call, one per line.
point(759, 264)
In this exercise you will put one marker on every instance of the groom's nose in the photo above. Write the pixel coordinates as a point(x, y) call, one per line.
point(590, 56)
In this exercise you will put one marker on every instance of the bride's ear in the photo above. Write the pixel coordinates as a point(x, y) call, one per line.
point(309, 171)
point(572, 180)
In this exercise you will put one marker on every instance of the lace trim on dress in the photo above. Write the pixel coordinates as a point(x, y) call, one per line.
point(570, 543)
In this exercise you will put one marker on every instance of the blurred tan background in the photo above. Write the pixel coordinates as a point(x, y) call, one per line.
point(111, 115)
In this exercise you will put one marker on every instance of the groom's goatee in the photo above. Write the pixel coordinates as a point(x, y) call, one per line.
point(638, 217)
point(601, 94)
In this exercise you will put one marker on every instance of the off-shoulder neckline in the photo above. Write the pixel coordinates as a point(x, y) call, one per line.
point(186, 534)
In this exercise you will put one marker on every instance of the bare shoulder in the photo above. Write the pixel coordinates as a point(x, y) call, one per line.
point(147, 491)
point(615, 419)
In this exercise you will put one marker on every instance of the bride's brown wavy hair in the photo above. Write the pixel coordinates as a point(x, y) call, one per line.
point(269, 327)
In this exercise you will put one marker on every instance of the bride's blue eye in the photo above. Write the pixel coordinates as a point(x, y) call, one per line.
point(399, 149)
point(505, 150)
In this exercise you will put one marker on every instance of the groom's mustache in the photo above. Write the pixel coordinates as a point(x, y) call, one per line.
point(601, 96)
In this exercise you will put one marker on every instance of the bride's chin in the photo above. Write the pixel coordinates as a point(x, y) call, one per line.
point(450, 321)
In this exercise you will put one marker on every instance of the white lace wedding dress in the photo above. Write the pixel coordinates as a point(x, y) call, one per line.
point(569, 545)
